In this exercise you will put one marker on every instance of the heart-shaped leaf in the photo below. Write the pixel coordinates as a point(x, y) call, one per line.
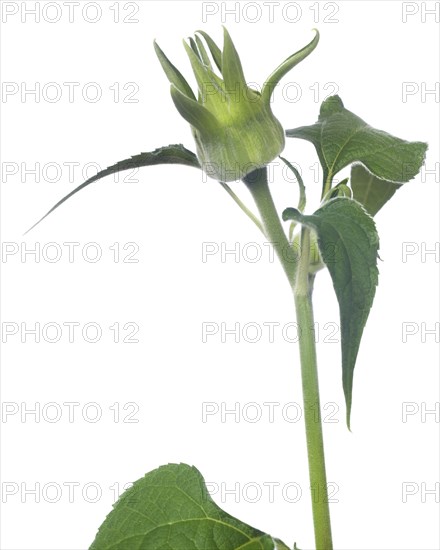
point(370, 191)
point(170, 509)
point(348, 242)
point(341, 138)
point(171, 154)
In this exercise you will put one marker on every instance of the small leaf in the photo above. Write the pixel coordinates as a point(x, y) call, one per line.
point(194, 47)
point(203, 53)
point(200, 70)
point(286, 66)
point(339, 190)
point(214, 49)
point(341, 138)
point(173, 74)
point(208, 83)
point(232, 70)
point(170, 509)
point(370, 191)
point(171, 154)
point(349, 244)
point(193, 112)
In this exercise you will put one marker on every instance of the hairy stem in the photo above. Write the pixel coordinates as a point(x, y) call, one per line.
point(301, 283)
point(258, 186)
point(310, 387)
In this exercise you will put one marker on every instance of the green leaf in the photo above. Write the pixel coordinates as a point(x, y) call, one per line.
point(170, 509)
point(232, 69)
point(341, 138)
point(286, 66)
point(203, 53)
point(171, 154)
point(349, 243)
point(173, 74)
point(213, 48)
point(194, 48)
point(370, 191)
point(193, 112)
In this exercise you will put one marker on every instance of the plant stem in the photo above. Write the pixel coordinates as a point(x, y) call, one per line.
point(301, 283)
point(312, 408)
point(258, 186)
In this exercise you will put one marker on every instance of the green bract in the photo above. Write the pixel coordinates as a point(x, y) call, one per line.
point(233, 125)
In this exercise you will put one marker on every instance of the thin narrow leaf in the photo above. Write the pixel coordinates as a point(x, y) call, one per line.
point(199, 69)
point(194, 47)
point(171, 154)
point(370, 191)
point(171, 509)
point(193, 112)
point(342, 138)
point(209, 84)
point(213, 48)
point(232, 70)
point(173, 74)
point(203, 52)
point(349, 244)
point(286, 66)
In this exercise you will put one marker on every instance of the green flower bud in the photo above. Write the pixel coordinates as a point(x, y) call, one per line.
point(233, 125)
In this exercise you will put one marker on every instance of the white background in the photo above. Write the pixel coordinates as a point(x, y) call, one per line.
point(169, 212)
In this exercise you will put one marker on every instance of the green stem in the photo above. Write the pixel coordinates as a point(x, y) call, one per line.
point(301, 282)
point(302, 189)
point(327, 184)
point(258, 186)
point(312, 408)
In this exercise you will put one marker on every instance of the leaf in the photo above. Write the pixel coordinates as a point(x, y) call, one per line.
point(170, 509)
point(193, 112)
point(173, 74)
point(232, 70)
point(341, 138)
point(349, 244)
point(370, 191)
point(213, 48)
point(203, 53)
point(286, 66)
point(171, 154)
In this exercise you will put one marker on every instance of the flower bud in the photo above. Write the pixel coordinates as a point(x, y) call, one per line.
point(233, 125)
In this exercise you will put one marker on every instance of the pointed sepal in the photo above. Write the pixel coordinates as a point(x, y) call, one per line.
point(173, 74)
point(232, 70)
point(193, 112)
